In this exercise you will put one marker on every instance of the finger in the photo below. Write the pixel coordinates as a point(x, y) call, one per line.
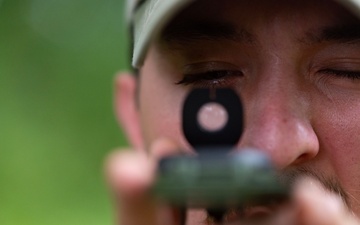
point(320, 207)
point(130, 176)
point(165, 147)
point(162, 148)
point(129, 173)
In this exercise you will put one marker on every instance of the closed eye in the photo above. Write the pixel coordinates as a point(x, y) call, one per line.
point(353, 75)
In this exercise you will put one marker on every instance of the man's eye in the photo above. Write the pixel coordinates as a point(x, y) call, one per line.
point(218, 78)
point(352, 75)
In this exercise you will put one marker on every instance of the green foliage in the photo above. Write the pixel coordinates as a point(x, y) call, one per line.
point(57, 63)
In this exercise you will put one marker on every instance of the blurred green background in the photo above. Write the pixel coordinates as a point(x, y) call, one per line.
point(58, 59)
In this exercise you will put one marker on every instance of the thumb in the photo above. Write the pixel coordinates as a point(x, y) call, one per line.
point(318, 206)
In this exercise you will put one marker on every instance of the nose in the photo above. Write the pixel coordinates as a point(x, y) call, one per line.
point(278, 122)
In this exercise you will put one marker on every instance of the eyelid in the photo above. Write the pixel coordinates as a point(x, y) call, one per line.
point(341, 73)
point(341, 64)
point(213, 79)
point(197, 68)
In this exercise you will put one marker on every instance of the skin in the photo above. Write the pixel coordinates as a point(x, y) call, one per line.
point(300, 110)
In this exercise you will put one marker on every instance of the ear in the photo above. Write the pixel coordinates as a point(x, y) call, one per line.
point(126, 108)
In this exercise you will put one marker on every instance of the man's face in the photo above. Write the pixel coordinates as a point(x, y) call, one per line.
point(296, 65)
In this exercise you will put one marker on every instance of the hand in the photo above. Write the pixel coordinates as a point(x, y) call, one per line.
point(315, 206)
point(311, 205)
point(130, 175)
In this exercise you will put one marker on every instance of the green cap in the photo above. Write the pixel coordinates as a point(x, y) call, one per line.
point(148, 17)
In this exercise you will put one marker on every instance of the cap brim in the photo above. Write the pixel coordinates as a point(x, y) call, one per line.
point(151, 17)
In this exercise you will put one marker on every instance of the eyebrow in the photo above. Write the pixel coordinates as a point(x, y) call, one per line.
point(190, 32)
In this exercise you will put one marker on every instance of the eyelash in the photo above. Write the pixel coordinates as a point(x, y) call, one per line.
point(352, 75)
point(218, 78)
point(223, 78)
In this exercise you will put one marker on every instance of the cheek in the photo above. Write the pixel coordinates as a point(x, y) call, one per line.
point(337, 124)
point(339, 131)
point(160, 108)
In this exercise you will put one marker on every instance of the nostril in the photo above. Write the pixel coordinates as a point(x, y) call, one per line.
point(303, 158)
